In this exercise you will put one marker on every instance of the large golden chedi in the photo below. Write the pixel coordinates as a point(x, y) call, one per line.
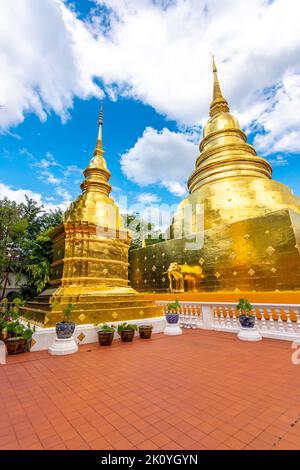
point(245, 226)
point(90, 258)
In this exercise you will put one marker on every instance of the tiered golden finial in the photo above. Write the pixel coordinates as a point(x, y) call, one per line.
point(218, 104)
point(96, 173)
point(95, 205)
point(224, 150)
point(100, 122)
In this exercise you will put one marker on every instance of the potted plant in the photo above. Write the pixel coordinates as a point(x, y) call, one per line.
point(106, 334)
point(126, 331)
point(145, 331)
point(19, 337)
point(15, 335)
point(246, 316)
point(65, 328)
point(172, 314)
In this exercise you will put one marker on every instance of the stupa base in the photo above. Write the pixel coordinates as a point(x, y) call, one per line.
point(92, 308)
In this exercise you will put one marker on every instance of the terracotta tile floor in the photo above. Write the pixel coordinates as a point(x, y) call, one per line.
point(203, 390)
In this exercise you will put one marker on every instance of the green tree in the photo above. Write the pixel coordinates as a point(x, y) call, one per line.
point(38, 264)
point(13, 227)
point(37, 247)
point(142, 230)
point(25, 245)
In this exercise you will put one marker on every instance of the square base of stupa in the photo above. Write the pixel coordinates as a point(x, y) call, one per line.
point(260, 254)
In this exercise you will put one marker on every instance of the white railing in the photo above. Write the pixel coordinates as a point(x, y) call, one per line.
point(278, 321)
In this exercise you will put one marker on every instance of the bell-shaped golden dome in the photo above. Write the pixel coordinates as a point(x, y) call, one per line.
point(224, 150)
point(220, 121)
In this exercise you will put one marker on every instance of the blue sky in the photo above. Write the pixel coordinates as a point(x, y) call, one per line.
point(72, 144)
point(150, 61)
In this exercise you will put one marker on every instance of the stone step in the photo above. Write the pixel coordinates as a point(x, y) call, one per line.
point(38, 305)
point(96, 314)
point(86, 303)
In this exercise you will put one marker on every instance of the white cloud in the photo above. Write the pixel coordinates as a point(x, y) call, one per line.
point(178, 189)
point(279, 160)
point(148, 198)
point(157, 158)
point(46, 162)
point(157, 52)
point(73, 169)
point(39, 65)
point(64, 193)
point(50, 178)
point(19, 195)
point(281, 122)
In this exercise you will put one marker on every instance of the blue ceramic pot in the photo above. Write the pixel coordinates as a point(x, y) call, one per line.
point(172, 317)
point(65, 330)
point(247, 322)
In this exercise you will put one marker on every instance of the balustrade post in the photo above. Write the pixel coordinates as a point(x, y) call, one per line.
point(290, 328)
point(280, 322)
point(271, 319)
point(297, 314)
point(263, 319)
point(207, 317)
point(235, 320)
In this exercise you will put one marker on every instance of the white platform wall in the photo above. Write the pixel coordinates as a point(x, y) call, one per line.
point(44, 337)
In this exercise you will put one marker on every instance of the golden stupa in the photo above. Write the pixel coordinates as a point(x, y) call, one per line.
point(237, 230)
point(90, 258)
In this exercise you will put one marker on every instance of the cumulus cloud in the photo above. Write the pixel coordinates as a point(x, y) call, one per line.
point(19, 195)
point(178, 189)
point(157, 52)
point(170, 69)
point(280, 121)
point(39, 67)
point(148, 198)
point(157, 158)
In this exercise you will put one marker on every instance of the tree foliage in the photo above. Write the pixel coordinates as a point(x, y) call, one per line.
point(26, 248)
point(25, 245)
point(142, 231)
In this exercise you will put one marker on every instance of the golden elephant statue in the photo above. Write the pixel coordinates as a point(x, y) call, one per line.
point(183, 277)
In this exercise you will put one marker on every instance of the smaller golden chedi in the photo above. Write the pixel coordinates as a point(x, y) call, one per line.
point(90, 258)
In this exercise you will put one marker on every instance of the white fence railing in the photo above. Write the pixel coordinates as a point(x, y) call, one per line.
point(278, 321)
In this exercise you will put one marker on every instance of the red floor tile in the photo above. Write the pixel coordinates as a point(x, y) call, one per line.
point(202, 390)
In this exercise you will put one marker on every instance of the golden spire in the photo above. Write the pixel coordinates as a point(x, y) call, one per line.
point(100, 122)
point(96, 173)
point(224, 151)
point(218, 104)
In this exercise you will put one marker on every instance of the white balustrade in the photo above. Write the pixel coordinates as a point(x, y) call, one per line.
point(272, 320)
point(290, 328)
point(297, 315)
